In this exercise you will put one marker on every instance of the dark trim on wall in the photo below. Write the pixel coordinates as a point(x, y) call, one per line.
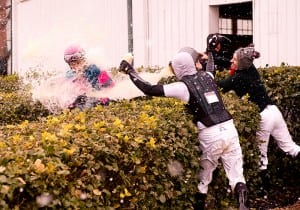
point(130, 26)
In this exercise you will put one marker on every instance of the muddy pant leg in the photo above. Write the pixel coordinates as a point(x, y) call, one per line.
point(206, 173)
point(262, 137)
point(233, 164)
point(212, 145)
point(232, 160)
point(263, 142)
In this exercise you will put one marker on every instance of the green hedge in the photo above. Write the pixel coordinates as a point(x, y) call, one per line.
point(137, 154)
point(283, 85)
point(10, 84)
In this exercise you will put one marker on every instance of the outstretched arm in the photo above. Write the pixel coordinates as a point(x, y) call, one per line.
point(210, 66)
point(144, 86)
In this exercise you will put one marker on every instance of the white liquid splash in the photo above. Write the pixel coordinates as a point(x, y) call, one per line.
point(50, 86)
point(125, 89)
point(56, 92)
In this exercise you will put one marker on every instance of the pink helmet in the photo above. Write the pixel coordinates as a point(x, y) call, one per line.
point(73, 53)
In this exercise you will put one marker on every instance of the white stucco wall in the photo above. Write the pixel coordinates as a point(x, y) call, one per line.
point(162, 27)
point(277, 31)
point(43, 28)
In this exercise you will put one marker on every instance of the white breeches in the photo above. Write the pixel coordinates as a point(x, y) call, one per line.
point(272, 123)
point(220, 142)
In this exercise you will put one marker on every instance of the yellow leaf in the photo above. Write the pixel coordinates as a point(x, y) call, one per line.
point(99, 108)
point(98, 125)
point(2, 145)
point(96, 192)
point(127, 193)
point(69, 151)
point(102, 129)
point(151, 143)
point(16, 139)
point(24, 124)
point(118, 123)
point(142, 170)
point(53, 121)
point(119, 135)
point(49, 137)
point(81, 117)
point(138, 140)
point(126, 138)
point(80, 127)
point(50, 168)
point(122, 195)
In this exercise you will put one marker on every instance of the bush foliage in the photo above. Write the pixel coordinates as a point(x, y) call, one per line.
point(16, 103)
point(133, 154)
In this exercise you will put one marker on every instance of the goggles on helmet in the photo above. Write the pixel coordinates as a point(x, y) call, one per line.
point(74, 57)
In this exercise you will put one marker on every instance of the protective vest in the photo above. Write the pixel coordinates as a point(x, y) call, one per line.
point(205, 102)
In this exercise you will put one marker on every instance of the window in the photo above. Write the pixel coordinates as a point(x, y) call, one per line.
point(236, 19)
point(244, 27)
point(235, 26)
point(225, 26)
point(235, 22)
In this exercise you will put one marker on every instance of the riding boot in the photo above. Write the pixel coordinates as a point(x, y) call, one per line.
point(265, 187)
point(241, 193)
point(199, 201)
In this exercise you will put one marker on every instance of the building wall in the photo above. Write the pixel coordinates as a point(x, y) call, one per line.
point(42, 29)
point(160, 29)
point(277, 31)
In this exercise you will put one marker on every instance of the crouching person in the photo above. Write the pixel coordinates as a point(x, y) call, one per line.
point(86, 76)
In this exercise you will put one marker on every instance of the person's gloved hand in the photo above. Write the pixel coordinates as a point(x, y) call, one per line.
point(81, 99)
point(126, 64)
point(78, 102)
point(212, 42)
point(125, 67)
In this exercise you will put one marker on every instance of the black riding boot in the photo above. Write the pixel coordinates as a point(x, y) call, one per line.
point(241, 193)
point(265, 187)
point(199, 201)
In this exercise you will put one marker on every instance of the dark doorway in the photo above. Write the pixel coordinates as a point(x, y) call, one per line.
point(235, 22)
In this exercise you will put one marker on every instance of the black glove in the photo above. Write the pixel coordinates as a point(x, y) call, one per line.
point(81, 99)
point(125, 67)
point(79, 102)
point(212, 42)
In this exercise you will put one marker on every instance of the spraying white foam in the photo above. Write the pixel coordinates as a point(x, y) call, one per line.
point(56, 92)
point(125, 89)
